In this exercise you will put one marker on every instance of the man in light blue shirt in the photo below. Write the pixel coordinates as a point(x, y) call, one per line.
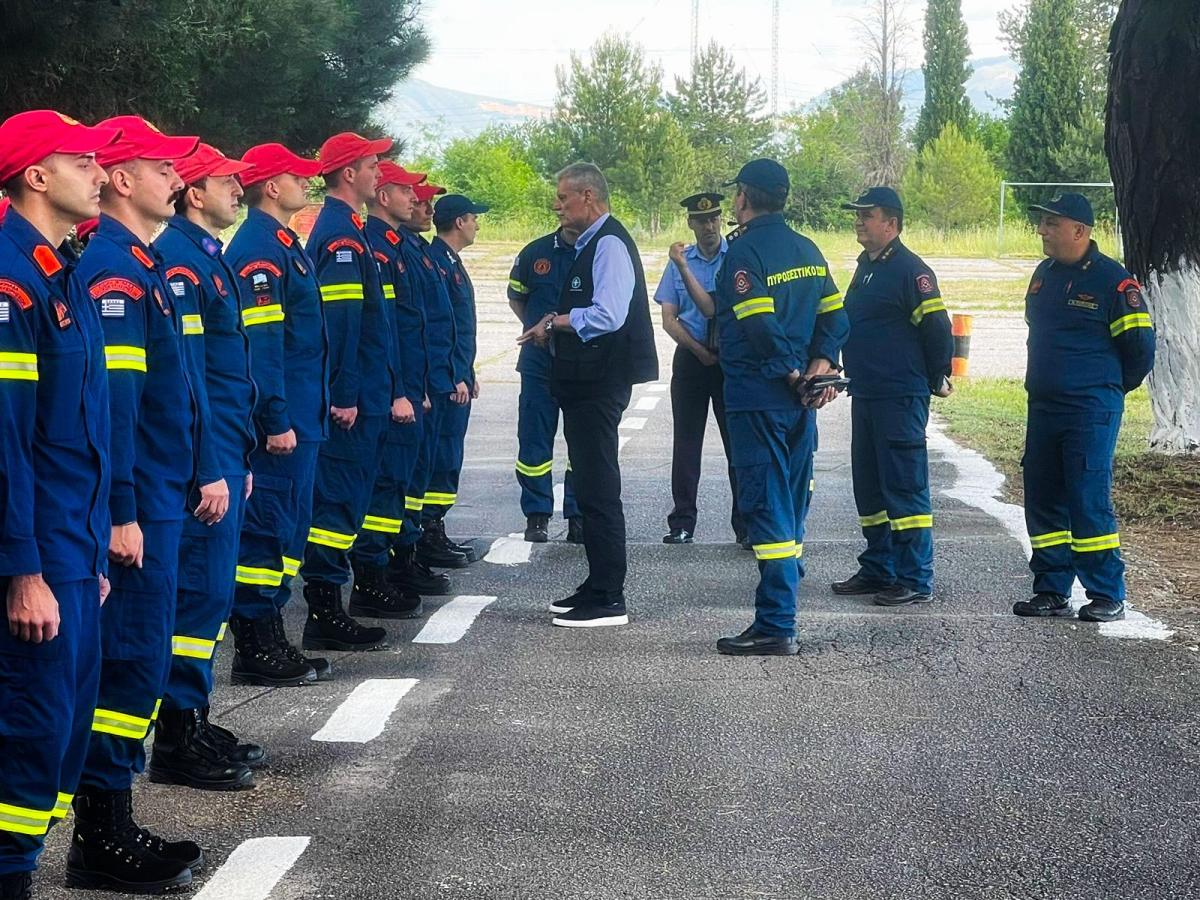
point(696, 379)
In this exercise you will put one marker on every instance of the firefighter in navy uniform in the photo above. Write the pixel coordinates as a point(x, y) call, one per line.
point(897, 355)
point(54, 521)
point(455, 218)
point(780, 321)
point(534, 285)
point(384, 521)
point(364, 393)
point(156, 417)
point(1091, 342)
point(284, 320)
point(187, 748)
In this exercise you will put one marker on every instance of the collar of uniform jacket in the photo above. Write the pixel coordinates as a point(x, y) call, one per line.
point(46, 259)
point(116, 232)
point(197, 235)
point(693, 252)
point(1084, 264)
point(885, 254)
point(590, 233)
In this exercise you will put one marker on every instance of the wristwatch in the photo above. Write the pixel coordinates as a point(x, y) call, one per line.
point(549, 327)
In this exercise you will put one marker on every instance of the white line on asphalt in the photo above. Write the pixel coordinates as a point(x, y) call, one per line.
point(509, 551)
point(363, 715)
point(560, 491)
point(978, 484)
point(635, 423)
point(253, 869)
point(647, 404)
point(622, 441)
point(451, 622)
point(656, 388)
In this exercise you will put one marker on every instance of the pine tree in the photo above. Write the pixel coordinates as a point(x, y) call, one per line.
point(1048, 100)
point(946, 72)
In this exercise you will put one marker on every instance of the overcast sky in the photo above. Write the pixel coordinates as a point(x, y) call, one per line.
point(510, 50)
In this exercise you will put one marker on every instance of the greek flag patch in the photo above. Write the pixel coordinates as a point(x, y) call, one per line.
point(178, 288)
point(112, 307)
point(344, 256)
point(4, 311)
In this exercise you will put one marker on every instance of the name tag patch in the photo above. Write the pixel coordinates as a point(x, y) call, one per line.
point(113, 307)
point(344, 256)
point(1083, 301)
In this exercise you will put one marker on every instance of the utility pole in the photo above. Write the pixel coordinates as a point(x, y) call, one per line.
point(775, 61)
point(695, 31)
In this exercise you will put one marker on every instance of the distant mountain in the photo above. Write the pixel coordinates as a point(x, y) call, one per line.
point(417, 107)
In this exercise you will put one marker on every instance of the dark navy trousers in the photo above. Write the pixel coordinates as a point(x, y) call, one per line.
point(442, 490)
point(384, 521)
point(537, 423)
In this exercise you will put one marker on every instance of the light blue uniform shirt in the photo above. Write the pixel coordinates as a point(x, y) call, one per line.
point(672, 289)
point(613, 283)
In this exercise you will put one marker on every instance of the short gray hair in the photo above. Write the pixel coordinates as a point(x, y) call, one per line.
point(583, 175)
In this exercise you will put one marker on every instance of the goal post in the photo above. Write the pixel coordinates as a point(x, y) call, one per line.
point(1005, 185)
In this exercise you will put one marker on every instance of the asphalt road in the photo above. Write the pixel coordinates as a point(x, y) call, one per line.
point(951, 751)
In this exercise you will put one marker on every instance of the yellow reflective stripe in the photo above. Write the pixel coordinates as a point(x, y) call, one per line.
point(753, 307)
point(19, 366)
point(829, 304)
point(1133, 320)
point(799, 550)
point(1092, 544)
point(290, 566)
point(109, 721)
point(262, 315)
point(194, 648)
point(348, 291)
point(254, 575)
point(1049, 539)
point(535, 471)
point(389, 292)
point(780, 550)
point(192, 324)
point(935, 304)
point(63, 806)
point(334, 539)
point(925, 521)
point(221, 633)
point(382, 524)
point(23, 820)
point(118, 356)
point(879, 518)
point(517, 286)
point(414, 503)
point(812, 485)
point(433, 498)
point(157, 707)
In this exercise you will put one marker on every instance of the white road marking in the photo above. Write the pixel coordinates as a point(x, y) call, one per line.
point(622, 441)
point(633, 423)
point(978, 484)
point(656, 388)
point(647, 404)
point(559, 492)
point(509, 551)
point(253, 869)
point(363, 715)
point(451, 622)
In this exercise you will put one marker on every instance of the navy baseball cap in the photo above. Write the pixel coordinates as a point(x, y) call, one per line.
point(1070, 206)
point(764, 174)
point(876, 196)
point(452, 206)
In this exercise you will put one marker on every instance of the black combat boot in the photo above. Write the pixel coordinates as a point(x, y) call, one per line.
point(320, 664)
point(374, 597)
point(17, 886)
point(536, 529)
point(329, 628)
point(257, 659)
point(413, 577)
point(439, 527)
point(184, 755)
point(252, 756)
point(433, 552)
point(110, 852)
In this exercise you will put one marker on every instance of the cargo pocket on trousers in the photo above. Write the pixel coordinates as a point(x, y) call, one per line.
point(134, 620)
point(268, 507)
point(908, 471)
point(750, 465)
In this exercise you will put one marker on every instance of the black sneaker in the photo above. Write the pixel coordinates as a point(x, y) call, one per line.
point(1102, 609)
point(567, 604)
point(575, 530)
point(899, 595)
point(594, 615)
point(536, 529)
point(678, 536)
point(1042, 606)
point(859, 583)
point(752, 642)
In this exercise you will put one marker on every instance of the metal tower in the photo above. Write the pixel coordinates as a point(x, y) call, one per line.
point(775, 59)
point(695, 31)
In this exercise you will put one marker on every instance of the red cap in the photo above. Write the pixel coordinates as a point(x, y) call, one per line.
point(343, 149)
point(141, 140)
point(270, 160)
point(390, 173)
point(29, 137)
point(5, 203)
point(207, 161)
point(427, 191)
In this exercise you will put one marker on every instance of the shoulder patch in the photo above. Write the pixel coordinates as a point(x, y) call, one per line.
point(1035, 285)
point(117, 285)
point(141, 256)
point(47, 260)
point(284, 238)
point(357, 220)
point(924, 284)
point(741, 281)
point(256, 265)
point(344, 242)
point(541, 266)
point(1132, 291)
point(10, 288)
point(381, 257)
point(392, 237)
point(112, 307)
point(176, 271)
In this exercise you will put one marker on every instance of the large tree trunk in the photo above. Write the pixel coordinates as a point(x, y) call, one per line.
point(1151, 137)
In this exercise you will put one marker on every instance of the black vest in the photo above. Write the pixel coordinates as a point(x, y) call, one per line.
point(625, 356)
